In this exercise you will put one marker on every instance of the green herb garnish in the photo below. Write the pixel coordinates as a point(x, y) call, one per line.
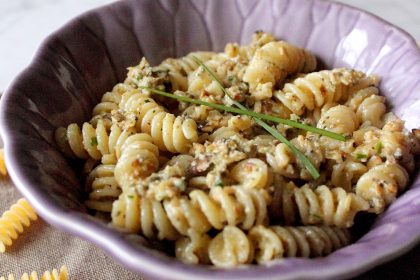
point(302, 158)
point(361, 156)
point(316, 216)
point(248, 113)
point(378, 147)
point(94, 141)
point(219, 183)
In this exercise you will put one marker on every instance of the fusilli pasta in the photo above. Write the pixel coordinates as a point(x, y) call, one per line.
point(171, 133)
point(12, 221)
point(381, 184)
point(274, 61)
point(139, 159)
point(233, 247)
point(216, 184)
point(334, 207)
point(47, 275)
point(3, 170)
point(200, 211)
point(319, 88)
point(103, 187)
point(179, 68)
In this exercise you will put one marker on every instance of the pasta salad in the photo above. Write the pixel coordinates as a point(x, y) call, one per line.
point(243, 156)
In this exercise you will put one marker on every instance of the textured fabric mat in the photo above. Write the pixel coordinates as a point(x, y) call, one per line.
point(42, 247)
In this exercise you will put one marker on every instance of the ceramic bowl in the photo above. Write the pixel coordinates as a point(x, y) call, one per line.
point(85, 58)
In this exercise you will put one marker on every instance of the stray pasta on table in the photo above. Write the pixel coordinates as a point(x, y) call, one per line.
point(47, 275)
point(242, 156)
point(12, 222)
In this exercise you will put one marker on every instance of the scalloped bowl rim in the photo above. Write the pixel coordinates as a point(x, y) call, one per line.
point(116, 246)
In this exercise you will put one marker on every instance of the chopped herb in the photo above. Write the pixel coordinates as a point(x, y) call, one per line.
point(94, 141)
point(378, 147)
point(316, 216)
point(219, 183)
point(157, 178)
point(361, 156)
point(130, 196)
point(230, 78)
point(146, 101)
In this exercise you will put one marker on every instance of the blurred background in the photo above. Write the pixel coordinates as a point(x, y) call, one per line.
point(25, 23)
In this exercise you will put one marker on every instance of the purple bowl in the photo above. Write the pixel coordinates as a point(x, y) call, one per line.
point(85, 58)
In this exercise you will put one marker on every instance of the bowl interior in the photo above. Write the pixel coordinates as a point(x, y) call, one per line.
point(84, 59)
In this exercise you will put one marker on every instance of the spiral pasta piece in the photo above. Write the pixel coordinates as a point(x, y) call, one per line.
point(139, 158)
point(275, 242)
point(251, 173)
point(345, 174)
point(12, 221)
point(283, 161)
point(200, 212)
point(318, 88)
point(232, 206)
point(3, 169)
point(169, 133)
point(138, 214)
point(339, 119)
point(224, 133)
point(230, 248)
point(104, 188)
point(194, 248)
point(274, 61)
point(368, 106)
point(110, 100)
point(381, 184)
point(91, 142)
point(332, 207)
point(179, 68)
point(47, 275)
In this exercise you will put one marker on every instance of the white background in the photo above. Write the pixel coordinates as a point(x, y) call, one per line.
point(25, 23)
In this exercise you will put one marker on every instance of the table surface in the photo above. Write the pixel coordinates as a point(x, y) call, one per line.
point(23, 26)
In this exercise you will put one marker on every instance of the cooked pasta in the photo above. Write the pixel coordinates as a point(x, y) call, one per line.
point(3, 169)
point(274, 61)
point(328, 206)
point(47, 275)
point(369, 106)
point(283, 161)
point(171, 133)
point(274, 242)
point(110, 100)
point(12, 222)
point(230, 248)
point(381, 184)
point(221, 186)
point(345, 174)
point(139, 159)
point(199, 211)
point(339, 119)
point(194, 248)
point(332, 207)
point(233, 247)
point(103, 187)
point(178, 69)
point(319, 88)
point(251, 173)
